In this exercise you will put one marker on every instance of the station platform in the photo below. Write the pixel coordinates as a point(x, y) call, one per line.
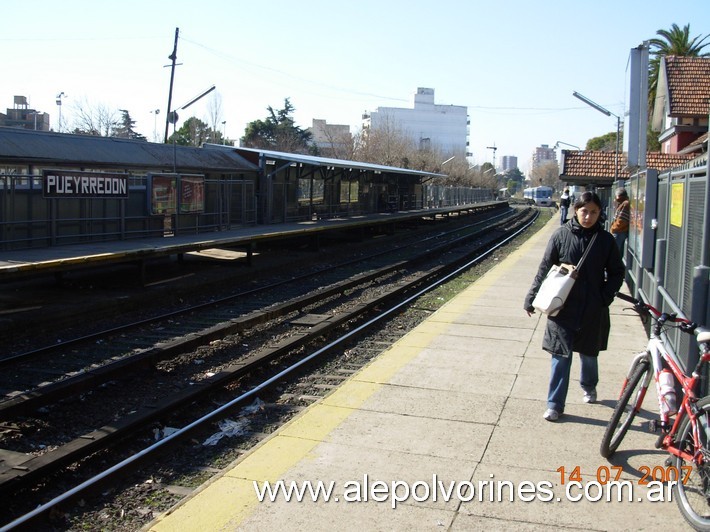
point(61, 258)
point(456, 403)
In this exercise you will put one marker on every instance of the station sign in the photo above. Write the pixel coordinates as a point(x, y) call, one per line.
point(79, 185)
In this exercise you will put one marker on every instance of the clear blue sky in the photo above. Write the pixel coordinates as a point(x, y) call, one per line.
point(513, 63)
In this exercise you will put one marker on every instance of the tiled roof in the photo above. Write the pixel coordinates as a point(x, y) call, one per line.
point(598, 166)
point(688, 85)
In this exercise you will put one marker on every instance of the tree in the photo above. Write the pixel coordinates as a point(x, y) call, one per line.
point(97, 120)
point(193, 132)
point(608, 142)
point(674, 42)
point(604, 143)
point(124, 128)
point(652, 142)
point(100, 120)
point(545, 174)
point(388, 145)
point(278, 132)
point(514, 180)
point(214, 110)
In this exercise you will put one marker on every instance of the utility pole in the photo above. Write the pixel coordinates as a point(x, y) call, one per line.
point(172, 57)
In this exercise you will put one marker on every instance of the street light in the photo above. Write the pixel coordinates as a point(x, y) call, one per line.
point(557, 145)
point(173, 118)
point(59, 104)
point(618, 128)
point(155, 114)
point(224, 132)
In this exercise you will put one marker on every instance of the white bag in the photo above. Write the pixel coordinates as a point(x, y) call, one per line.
point(554, 290)
point(558, 283)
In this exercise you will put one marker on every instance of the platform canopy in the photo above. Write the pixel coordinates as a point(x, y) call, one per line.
point(255, 155)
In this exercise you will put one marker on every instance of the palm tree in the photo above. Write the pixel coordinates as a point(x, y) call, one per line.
point(675, 42)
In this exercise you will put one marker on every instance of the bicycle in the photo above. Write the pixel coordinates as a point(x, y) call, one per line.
point(687, 437)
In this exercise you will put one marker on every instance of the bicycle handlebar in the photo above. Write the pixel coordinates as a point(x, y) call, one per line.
point(641, 307)
point(629, 299)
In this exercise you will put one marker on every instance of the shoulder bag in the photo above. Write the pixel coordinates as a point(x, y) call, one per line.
point(558, 283)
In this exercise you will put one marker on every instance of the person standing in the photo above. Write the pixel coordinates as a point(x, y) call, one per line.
point(565, 202)
point(583, 324)
point(620, 224)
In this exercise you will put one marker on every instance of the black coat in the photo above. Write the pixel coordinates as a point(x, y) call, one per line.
point(583, 324)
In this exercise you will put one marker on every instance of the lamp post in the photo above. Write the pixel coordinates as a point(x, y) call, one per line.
point(557, 145)
point(173, 118)
point(59, 104)
point(155, 114)
point(224, 132)
point(618, 128)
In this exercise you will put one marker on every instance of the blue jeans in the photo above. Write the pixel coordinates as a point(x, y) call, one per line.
point(559, 379)
point(563, 214)
point(620, 239)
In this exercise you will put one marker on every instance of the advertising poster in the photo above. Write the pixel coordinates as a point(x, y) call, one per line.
point(637, 201)
point(192, 194)
point(163, 194)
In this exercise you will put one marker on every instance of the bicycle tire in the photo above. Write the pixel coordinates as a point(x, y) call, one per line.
point(695, 491)
point(618, 424)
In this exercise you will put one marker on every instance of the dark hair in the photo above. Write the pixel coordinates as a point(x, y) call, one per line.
point(587, 197)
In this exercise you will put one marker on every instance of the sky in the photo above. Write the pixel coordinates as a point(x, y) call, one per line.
point(513, 63)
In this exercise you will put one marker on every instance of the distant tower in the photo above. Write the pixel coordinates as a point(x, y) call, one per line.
point(508, 163)
point(543, 154)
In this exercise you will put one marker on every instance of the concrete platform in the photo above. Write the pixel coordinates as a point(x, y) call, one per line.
point(457, 401)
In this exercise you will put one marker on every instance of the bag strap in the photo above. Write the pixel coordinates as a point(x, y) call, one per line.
point(586, 251)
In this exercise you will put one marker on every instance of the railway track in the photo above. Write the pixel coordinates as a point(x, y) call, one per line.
point(44, 374)
point(301, 324)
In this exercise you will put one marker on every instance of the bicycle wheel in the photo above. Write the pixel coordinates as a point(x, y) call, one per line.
point(692, 491)
point(624, 413)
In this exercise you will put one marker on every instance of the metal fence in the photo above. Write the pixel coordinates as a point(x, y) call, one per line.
point(669, 245)
point(30, 220)
point(449, 196)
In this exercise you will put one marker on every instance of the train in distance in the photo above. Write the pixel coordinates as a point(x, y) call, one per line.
point(540, 196)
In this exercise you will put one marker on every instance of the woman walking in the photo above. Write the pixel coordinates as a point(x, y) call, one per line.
point(583, 324)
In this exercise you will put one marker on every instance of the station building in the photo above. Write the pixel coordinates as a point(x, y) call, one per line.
point(60, 189)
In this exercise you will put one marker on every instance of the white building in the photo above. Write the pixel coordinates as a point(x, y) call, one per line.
point(429, 125)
